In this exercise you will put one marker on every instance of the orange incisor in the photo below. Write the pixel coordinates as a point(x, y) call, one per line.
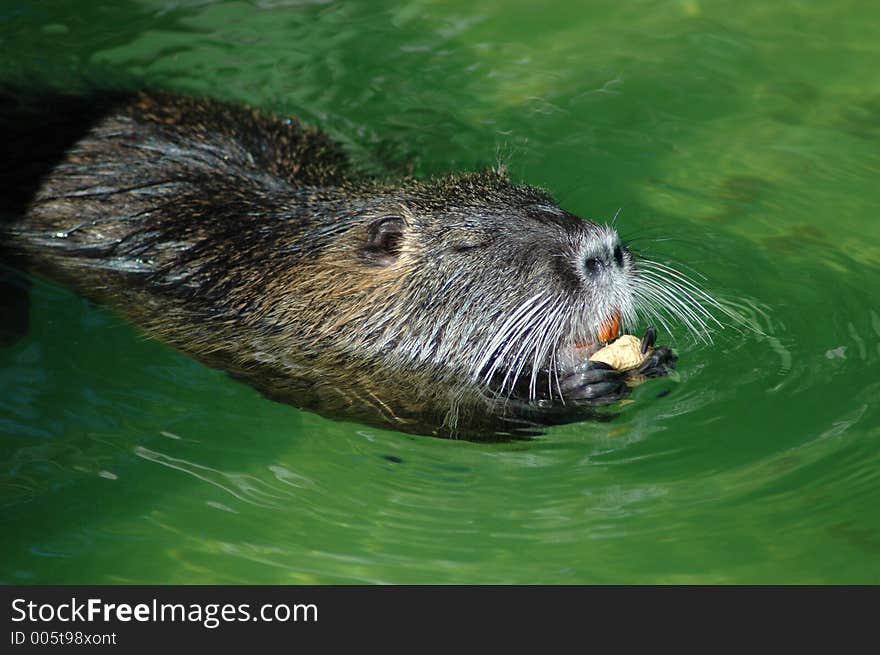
point(610, 328)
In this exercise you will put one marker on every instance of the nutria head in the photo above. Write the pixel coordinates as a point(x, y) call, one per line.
point(472, 276)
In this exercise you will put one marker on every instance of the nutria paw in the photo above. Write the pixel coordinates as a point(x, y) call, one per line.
point(658, 363)
point(597, 383)
point(593, 382)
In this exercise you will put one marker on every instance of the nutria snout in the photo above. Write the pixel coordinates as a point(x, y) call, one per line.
point(460, 306)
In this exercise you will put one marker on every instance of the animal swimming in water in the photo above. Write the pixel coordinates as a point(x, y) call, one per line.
point(465, 305)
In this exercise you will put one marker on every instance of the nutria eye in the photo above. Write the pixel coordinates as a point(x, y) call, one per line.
point(464, 247)
point(618, 256)
point(384, 240)
point(463, 240)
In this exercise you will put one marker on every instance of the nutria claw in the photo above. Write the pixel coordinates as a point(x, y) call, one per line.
point(659, 360)
point(649, 339)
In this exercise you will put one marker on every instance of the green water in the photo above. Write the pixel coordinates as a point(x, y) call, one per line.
point(741, 139)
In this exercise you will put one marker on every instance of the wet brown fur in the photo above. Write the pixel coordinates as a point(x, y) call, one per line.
point(246, 241)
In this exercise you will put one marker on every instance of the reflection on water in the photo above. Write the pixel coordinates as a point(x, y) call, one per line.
point(735, 147)
point(245, 488)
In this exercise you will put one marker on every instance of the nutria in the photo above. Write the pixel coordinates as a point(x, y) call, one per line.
point(459, 306)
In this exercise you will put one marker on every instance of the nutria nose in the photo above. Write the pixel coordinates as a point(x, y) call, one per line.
point(595, 265)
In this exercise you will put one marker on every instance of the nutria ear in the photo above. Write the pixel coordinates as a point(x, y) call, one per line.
point(384, 239)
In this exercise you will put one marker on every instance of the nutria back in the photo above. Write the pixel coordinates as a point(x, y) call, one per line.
point(459, 306)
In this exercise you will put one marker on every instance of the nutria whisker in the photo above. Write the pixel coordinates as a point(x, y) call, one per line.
point(509, 335)
point(669, 288)
point(650, 307)
point(536, 345)
point(677, 306)
point(553, 334)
